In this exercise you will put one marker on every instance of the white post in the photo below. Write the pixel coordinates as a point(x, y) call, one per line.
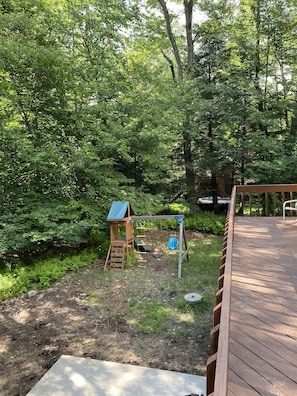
point(180, 254)
point(179, 218)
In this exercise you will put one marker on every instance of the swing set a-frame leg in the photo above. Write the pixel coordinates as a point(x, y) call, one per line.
point(107, 258)
point(185, 241)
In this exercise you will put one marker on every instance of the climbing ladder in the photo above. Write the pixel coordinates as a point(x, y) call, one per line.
point(116, 255)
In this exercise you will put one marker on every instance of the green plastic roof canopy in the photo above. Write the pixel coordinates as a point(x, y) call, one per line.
point(119, 210)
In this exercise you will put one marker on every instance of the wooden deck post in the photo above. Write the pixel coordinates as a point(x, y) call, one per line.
point(217, 314)
point(219, 296)
point(214, 339)
point(211, 373)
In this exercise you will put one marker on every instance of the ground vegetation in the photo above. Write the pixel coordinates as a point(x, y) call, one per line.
point(138, 316)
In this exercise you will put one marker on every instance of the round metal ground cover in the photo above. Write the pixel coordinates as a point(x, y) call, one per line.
point(193, 298)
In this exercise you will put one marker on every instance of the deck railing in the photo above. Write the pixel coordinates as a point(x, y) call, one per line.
point(263, 200)
point(251, 200)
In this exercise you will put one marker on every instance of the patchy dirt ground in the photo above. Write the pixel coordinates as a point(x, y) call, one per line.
point(38, 327)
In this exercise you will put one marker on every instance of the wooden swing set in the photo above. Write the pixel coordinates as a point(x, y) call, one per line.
point(121, 218)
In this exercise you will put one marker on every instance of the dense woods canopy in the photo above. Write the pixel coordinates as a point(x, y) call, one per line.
point(137, 100)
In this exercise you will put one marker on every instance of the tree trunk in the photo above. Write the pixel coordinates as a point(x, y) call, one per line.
point(211, 149)
point(187, 140)
point(261, 104)
point(189, 20)
point(188, 161)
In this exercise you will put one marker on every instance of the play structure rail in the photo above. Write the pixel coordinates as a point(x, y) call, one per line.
point(156, 217)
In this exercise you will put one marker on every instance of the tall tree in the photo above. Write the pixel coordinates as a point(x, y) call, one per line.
point(181, 68)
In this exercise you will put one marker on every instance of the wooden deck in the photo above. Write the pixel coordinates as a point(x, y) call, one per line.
point(263, 314)
point(254, 334)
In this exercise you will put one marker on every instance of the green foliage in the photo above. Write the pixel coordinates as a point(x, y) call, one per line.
point(100, 240)
point(179, 208)
point(276, 163)
point(89, 113)
point(72, 138)
point(41, 273)
point(194, 219)
point(206, 222)
point(143, 203)
point(38, 224)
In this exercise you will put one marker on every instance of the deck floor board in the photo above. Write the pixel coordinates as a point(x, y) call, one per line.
point(263, 317)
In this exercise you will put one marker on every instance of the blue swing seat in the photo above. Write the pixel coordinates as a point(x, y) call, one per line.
point(173, 243)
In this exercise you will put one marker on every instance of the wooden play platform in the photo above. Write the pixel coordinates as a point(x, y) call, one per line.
point(254, 338)
point(121, 219)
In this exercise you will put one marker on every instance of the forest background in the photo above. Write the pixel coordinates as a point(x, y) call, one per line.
point(139, 101)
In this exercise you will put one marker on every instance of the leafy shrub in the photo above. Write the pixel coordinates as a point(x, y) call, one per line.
point(42, 273)
point(206, 222)
point(100, 240)
point(174, 209)
point(143, 203)
point(38, 224)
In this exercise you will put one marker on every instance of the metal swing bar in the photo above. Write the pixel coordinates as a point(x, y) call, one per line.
point(182, 235)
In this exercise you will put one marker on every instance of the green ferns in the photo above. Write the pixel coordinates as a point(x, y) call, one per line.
point(41, 274)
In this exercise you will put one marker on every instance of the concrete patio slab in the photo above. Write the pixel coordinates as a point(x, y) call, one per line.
point(75, 376)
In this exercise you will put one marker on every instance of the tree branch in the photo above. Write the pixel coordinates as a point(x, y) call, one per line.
point(188, 4)
point(172, 39)
point(171, 65)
